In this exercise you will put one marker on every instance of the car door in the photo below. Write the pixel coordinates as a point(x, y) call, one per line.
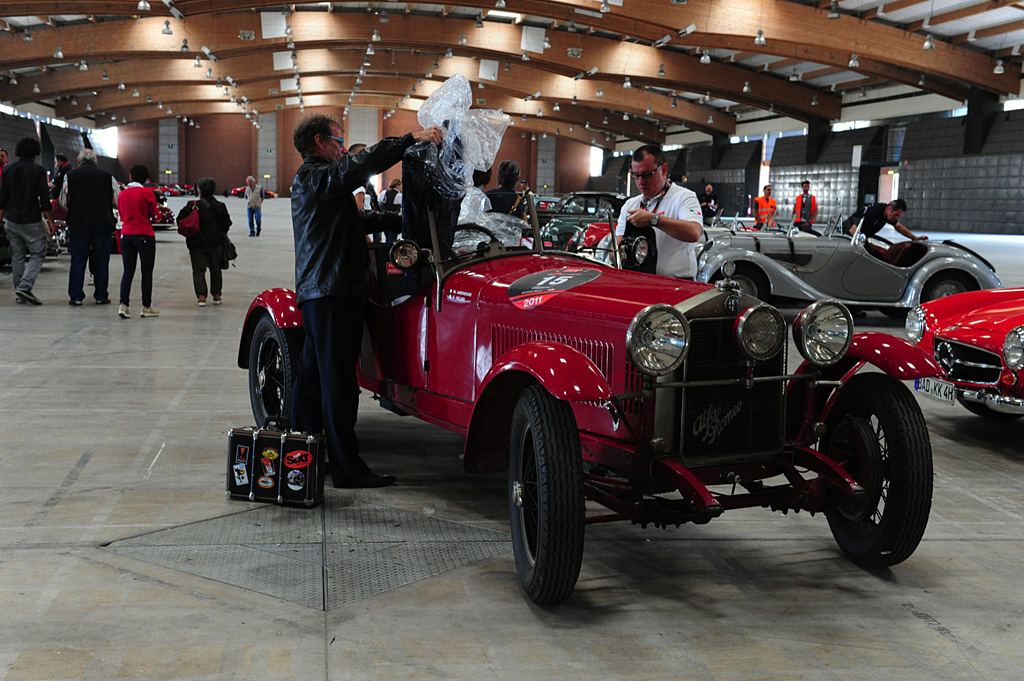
point(862, 276)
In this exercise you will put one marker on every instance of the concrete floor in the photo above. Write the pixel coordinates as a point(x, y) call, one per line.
point(112, 470)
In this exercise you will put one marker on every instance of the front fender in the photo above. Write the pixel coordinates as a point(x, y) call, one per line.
point(564, 371)
point(781, 280)
point(280, 304)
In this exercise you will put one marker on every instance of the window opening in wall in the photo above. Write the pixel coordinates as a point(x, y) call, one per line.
point(1013, 104)
point(894, 148)
point(104, 141)
point(596, 161)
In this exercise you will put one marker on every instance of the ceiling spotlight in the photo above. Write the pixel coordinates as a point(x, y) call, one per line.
point(675, 105)
point(626, 84)
point(556, 107)
point(209, 73)
point(82, 66)
point(479, 21)
point(143, 6)
point(574, 100)
point(661, 71)
point(794, 77)
point(384, 18)
point(999, 70)
point(366, 61)
point(854, 63)
point(135, 93)
point(705, 58)
point(26, 36)
point(429, 74)
point(226, 92)
point(920, 81)
point(571, 128)
point(480, 85)
point(120, 86)
point(746, 87)
point(436, 66)
point(462, 39)
point(105, 76)
point(58, 53)
point(184, 46)
point(599, 93)
point(167, 27)
point(500, 4)
point(833, 10)
point(863, 92)
point(929, 44)
point(199, 62)
point(605, 8)
point(376, 36)
point(149, 99)
point(88, 106)
point(711, 120)
point(291, 44)
point(191, 124)
point(814, 100)
point(649, 112)
point(759, 40)
point(370, 51)
point(287, 29)
point(74, 101)
point(123, 119)
point(526, 57)
point(625, 116)
point(540, 113)
point(605, 121)
point(448, 53)
point(14, 78)
point(547, 43)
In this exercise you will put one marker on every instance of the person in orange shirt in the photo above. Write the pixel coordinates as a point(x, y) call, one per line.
point(805, 209)
point(764, 209)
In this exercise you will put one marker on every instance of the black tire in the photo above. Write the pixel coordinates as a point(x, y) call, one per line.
point(984, 412)
point(896, 471)
point(947, 284)
point(273, 357)
point(751, 279)
point(546, 501)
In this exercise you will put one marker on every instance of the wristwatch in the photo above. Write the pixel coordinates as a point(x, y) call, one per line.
point(655, 219)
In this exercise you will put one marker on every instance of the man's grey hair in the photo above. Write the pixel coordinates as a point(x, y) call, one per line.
point(250, 178)
point(87, 156)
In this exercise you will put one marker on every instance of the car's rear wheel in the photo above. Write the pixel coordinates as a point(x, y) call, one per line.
point(273, 357)
point(879, 436)
point(546, 501)
point(985, 412)
point(946, 284)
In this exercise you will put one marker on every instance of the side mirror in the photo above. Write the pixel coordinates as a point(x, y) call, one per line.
point(404, 254)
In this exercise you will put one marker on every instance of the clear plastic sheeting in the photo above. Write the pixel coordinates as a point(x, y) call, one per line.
point(471, 138)
point(508, 229)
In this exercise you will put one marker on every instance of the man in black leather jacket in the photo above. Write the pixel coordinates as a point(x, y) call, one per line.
point(332, 284)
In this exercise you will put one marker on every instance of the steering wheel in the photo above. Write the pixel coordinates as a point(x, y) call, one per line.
point(477, 228)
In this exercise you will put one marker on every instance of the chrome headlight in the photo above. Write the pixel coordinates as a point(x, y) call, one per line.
point(658, 339)
point(823, 332)
point(404, 253)
point(760, 332)
point(916, 324)
point(1013, 349)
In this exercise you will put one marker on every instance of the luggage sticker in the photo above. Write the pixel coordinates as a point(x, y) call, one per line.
point(298, 459)
point(270, 453)
point(242, 454)
point(241, 476)
point(296, 479)
point(265, 482)
point(268, 467)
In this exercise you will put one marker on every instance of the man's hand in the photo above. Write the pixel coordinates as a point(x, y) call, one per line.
point(431, 134)
point(639, 217)
point(921, 238)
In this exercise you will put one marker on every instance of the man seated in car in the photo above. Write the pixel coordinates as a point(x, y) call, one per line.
point(869, 220)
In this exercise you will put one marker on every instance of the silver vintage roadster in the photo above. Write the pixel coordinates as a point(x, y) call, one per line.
point(863, 272)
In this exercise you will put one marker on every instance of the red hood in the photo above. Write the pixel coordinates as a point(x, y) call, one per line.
point(611, 293)
point(997, 311)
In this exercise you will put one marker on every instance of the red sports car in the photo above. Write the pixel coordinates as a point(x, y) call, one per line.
point(240, 193)
point(664, 401)
point(978, 339)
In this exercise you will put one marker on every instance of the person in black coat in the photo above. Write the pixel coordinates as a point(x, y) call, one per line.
point(206, 249)
point(504, 198)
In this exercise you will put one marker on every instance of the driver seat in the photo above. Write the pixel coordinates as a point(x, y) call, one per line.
point(907, 253)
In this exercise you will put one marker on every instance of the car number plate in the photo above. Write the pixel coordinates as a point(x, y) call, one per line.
point(937, 389)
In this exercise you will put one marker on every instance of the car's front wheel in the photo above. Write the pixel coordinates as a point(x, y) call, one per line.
point(546, 501)
point(878, 434)
point(273, 355)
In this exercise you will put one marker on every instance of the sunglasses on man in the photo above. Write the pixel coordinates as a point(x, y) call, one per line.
point(645, 175)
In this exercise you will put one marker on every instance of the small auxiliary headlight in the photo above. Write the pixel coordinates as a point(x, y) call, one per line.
point(658, 339)
point(823, 332)
point(760, 332)
point(1013, 349)
point(916, 324)
point(634, 250)
point(404, 253)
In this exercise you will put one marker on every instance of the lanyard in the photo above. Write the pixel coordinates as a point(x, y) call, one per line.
point(646, 204)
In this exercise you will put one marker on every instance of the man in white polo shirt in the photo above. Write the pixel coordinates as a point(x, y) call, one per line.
point(672, 210)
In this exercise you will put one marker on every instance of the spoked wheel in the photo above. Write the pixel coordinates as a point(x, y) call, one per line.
point(947, 284)
point(879, 436)
point(546, 496)
point(273, 354)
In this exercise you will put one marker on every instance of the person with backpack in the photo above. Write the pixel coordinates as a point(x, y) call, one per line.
point(206, 248)
point(391, 198)
point(137, 207)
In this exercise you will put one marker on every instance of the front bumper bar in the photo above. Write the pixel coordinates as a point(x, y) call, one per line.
point(998, 403)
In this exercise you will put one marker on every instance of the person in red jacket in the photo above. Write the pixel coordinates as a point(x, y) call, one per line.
point(137, 206)
point(805, 209)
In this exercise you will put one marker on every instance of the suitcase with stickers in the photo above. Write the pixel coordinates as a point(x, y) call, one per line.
point(275, 465)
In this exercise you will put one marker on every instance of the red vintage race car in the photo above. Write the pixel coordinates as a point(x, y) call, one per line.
point(663, 401)
point(978, 339)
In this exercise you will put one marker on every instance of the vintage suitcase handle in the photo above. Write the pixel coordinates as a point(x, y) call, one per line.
point(280, 422)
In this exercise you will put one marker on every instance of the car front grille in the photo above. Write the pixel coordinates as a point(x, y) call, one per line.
point(724, 423)
point(967, 363)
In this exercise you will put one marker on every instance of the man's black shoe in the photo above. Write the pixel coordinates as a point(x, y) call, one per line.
point(28, 297)
point(103, 301)
point(74, 302)
point(367, 481)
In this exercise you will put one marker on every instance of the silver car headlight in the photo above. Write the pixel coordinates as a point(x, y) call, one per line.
point(916, 324)
point(760, 332)
point(1013, 349)
point(658, 339)
point(823, 332)
point(404, 253)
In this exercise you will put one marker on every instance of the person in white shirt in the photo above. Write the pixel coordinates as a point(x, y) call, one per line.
point(670, 209)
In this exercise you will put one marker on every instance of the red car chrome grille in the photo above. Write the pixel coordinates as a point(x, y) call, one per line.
point(967, 363)
point(727, 422)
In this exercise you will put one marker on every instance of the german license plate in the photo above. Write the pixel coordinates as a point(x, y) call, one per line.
point(937, 389)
